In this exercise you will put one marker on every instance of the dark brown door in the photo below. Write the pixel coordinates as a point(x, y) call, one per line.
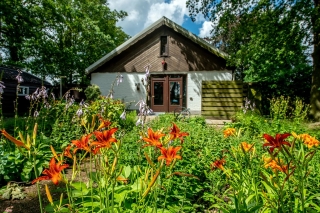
point(166, 94)
point(159, 91)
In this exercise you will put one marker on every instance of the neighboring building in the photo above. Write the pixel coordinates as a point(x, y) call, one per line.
point(28, 86)
point(178, 62)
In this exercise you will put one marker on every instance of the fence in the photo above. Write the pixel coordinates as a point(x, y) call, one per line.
point(222, 99)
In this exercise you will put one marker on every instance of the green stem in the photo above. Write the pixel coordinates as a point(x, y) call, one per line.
point(91, 187)
point(38, 188)
point(165, 198)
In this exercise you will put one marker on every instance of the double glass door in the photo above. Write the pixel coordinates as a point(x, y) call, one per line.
point(166, 93)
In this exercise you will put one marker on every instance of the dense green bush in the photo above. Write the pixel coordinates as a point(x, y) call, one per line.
point(92, 92)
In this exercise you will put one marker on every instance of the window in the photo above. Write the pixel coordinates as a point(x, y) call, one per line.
point(164, 50)
point(23, 91)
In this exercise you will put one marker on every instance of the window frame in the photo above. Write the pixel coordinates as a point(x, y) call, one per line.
point(25, 91)
point(166, 52)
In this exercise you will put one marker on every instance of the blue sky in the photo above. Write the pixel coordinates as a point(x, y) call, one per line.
point(142, 13)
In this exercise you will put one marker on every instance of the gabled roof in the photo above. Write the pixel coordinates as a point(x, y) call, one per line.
point(11, 74)
point(162, 21)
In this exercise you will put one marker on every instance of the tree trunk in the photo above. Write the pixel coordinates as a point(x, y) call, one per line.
point(315, 88)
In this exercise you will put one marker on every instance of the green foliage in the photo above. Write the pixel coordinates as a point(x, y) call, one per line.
point(13, 191)
point(265, 41)
point(279, 108)
point(58, 38)
point(11, 163)
point(285, 108)
point(92, 92)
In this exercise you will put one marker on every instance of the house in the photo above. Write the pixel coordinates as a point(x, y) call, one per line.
point(28, 86)
point(178, 62)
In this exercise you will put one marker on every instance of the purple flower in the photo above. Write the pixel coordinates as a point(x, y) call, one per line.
point(123, 115)
point(139, 122)
point(19, 77)
point(43, 92)
point(47, 105)
point(83, 104)
point(79, 112)
point(147, 73)
point(1, 87)
point(70, 101)
point(35, 114)
point(119, 79)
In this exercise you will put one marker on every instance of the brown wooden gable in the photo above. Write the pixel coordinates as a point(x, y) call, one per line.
point(186, 51)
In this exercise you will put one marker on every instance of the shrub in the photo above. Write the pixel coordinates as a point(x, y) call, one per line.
point(92, 92)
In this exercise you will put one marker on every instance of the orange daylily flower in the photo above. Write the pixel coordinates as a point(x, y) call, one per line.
point(12, 139)
point(104, 123)
point(104, 139)
point(169, 154)
point(175, 133)
point(228, 132)
point(153, 138)
point(275, 165)
point(218, 164)
point(67, 153)
point(309, 140)
point(53, 173)
point(247, 147)
point(83, 143)
point(277, 141)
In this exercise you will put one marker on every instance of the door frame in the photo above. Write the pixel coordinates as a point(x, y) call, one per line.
point(164, 106)
point(166, 80)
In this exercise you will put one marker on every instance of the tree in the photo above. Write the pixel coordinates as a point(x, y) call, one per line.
point(18, 20)
point(68, 36)
point(268, 42)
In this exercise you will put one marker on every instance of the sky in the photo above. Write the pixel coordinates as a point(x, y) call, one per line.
point(142, 13)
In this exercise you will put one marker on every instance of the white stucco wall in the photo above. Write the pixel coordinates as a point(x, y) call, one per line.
point(127, 91)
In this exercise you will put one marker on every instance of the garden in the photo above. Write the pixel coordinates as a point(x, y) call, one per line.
point(97, 156)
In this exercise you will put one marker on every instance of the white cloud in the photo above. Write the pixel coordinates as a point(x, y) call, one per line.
point(142, 13)
point(174, 10)
point(205, 30)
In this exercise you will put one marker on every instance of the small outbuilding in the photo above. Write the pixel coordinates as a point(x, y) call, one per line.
point(11, 93)
point(177, 61)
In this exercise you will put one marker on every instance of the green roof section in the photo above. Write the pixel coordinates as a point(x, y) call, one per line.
point(150, 29)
